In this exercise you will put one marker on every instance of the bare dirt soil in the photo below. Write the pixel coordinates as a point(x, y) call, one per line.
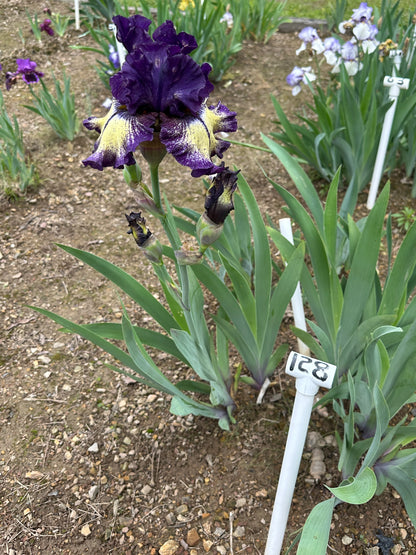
point(88, 462)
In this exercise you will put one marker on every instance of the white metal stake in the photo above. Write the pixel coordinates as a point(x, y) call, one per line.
point(395, 85)
point(310, 375)
point(296, 301)
point(76, 9)
point(121, 51)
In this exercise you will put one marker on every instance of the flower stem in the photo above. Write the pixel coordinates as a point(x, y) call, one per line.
point(182, 270)
point(154, 176)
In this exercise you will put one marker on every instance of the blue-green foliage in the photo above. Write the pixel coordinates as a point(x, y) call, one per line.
point(259, 19)
point(251, 311)
point(34, 25)
point(364, 325)
point(14, 167)
point(57, 109)
point(60, 24)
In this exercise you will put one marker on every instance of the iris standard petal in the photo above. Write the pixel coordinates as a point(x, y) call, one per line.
point(132, 30)
point(154, 80)
point(166, 34)
point(120, 134)
point(193, 141)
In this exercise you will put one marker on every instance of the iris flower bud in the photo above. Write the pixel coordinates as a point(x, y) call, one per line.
point(219, 199)
point(144, 238)
point(207, 232)
point(132, 174)
point(145, 202)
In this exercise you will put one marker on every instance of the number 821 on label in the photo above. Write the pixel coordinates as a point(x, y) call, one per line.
point(300, 366)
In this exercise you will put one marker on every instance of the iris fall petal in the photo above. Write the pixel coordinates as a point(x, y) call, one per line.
point(120, 134)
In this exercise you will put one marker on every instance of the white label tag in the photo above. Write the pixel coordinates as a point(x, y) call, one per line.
point(301, 366)
point(400, 82)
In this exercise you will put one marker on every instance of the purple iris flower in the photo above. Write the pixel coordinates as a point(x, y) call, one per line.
point(160, 102)
point(46, 26)
point(27, 69)
point(362, 13)
point(11, 79)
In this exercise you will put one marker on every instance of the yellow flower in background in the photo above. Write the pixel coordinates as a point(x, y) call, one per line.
point(185, 3)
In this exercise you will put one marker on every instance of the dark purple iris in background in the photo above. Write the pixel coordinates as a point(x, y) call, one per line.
point(26, 68)
point(46, 26)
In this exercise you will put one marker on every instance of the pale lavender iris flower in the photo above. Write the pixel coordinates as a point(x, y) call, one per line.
point(309, 36)
point(332, 48)
point(365, 33)
point(113, 56)
point(299, 75)
point(362, 13)
point(350, 59)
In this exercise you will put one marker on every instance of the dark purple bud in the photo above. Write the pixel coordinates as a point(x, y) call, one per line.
point(144, 238)
point(138, 229)
point(219, 199)
point(46, 26)
point(11, 79)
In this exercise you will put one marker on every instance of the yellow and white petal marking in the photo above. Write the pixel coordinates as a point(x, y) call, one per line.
point(120, 134)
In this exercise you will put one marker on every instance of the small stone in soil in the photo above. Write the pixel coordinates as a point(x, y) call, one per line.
point(169, 548)
point(92, 493)
point(192, 537)
point(86, 530)
point(239, 532)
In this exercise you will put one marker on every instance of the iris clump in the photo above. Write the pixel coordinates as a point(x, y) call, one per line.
point(358, 38)
point(160, 103)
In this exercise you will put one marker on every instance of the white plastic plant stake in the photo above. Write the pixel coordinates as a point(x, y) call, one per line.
point(310, 374)
point(76, 9)
point(296, 301)
point(121, 51)
point(395, 85)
